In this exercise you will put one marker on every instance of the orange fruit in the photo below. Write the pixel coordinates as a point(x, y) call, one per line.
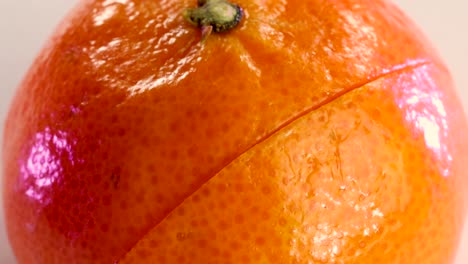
point(312, 132)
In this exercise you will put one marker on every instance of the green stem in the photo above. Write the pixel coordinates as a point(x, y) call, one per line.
point(216, 15)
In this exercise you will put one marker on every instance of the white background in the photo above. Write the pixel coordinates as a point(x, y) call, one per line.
point(26, 24)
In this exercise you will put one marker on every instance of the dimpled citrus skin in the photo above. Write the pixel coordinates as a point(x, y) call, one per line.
point(314, 132)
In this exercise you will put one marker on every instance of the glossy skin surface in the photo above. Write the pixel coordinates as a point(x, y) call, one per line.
point(315, 132)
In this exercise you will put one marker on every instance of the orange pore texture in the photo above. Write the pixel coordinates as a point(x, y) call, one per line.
point(315, 132)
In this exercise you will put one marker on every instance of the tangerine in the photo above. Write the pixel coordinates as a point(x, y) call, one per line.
point(311, 131)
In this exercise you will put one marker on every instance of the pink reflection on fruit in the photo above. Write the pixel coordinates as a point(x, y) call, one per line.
point(42, 167)
point(424, 110)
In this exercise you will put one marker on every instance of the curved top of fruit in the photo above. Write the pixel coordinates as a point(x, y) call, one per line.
point(125, 115)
